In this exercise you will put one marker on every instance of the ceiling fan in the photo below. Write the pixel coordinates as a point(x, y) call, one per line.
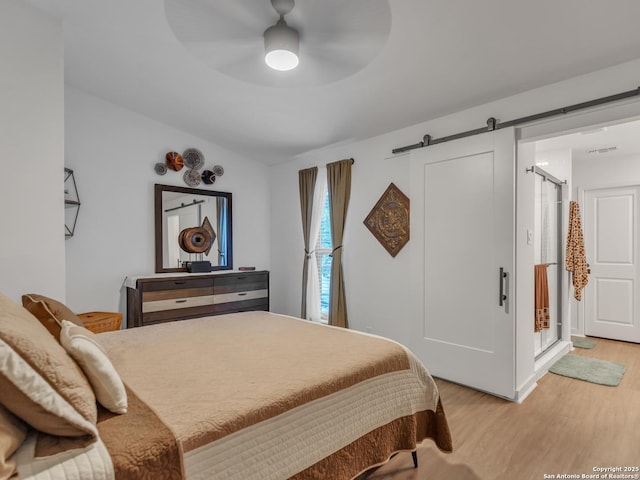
point(281, 42)
point(333, 39)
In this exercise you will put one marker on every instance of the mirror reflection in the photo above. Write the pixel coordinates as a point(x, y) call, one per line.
point(192, 226)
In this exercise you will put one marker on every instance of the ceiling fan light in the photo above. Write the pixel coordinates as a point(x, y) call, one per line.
point(281, 60)
point(281, 44)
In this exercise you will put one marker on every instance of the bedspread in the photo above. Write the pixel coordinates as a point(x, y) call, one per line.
point(259, 395)
point(140, 445)
point(133, 446)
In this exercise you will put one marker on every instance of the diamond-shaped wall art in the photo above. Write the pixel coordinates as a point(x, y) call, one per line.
point(389, 220)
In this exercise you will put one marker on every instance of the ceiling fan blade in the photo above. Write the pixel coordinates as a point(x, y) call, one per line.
point(222, 57)
point(205, 20)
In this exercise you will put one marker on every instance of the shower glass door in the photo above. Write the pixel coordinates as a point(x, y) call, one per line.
point(548, 252)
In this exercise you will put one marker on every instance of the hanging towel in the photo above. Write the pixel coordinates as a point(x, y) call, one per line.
point(575, 261)
point(542, 298)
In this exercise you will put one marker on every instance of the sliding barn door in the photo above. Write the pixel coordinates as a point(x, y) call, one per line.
point(462, 227)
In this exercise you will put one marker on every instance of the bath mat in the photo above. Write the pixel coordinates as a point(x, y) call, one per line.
point(582, 342)
point(589, 369)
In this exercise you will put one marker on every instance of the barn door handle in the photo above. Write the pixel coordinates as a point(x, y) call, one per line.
point(503, 277)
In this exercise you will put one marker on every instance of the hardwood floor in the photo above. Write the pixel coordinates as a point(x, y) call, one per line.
point(565, 426)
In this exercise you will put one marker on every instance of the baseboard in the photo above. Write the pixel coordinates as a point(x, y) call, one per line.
point(545, 362)
point(541, 367)
point(525, 389)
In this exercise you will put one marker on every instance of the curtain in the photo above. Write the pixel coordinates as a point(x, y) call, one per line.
point(306, 184)
point(313, 277)
point(339, 187)
point(221, 213)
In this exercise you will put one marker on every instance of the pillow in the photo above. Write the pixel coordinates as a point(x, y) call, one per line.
point(81, 344)
point(50, 312)
point(12, 434)
point(39, 382)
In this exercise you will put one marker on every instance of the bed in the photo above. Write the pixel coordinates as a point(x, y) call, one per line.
point(245, 396)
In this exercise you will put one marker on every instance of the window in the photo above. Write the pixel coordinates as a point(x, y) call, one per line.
point(323, 257)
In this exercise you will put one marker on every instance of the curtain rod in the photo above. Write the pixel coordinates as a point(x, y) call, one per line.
point(546, 175)
point(493, 124)
point(352, 160)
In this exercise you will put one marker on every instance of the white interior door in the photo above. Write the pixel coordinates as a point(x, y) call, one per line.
point(611, 218)
point(462, 227)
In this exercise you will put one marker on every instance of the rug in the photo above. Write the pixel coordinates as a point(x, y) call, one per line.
point(589, 369)
point(582, 342)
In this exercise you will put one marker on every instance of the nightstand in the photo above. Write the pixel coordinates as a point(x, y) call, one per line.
point(99, 322)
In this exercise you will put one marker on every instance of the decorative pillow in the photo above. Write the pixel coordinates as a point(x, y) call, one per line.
point(12, 434)
point(81, 344)
point(39, 382)
point(50, 312)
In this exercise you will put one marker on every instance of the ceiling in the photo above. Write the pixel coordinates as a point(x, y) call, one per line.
point(603, 143)
point(422, 59)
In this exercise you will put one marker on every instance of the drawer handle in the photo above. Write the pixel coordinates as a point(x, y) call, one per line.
point(181, 301)
point(179, 283)
point(241, 294)
point(240, 278)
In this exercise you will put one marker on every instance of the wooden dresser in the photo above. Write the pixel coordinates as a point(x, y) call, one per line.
point(167, 297)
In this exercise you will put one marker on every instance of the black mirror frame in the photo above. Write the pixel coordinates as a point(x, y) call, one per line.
point(158, 224)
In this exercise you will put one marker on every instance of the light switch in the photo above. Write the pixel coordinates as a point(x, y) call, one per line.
point(529, 237)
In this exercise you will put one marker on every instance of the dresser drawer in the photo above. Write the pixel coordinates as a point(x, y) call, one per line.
point(177, 294)
point(241, 282)
point(171, 315)
point(176, 303)
point(243, 306)
point(240, 296)
point(175, 284)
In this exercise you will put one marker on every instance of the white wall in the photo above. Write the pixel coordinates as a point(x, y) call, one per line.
point(595, 173)
point(605, 172)
point(32, 160)
point(525, 254)
point(377, 285)
point(112, 152)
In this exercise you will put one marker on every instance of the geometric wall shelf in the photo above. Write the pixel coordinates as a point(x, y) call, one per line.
point(389, 220)
point(71, 203)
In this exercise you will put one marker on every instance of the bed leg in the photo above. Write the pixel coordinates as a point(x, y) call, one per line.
point(415, 459)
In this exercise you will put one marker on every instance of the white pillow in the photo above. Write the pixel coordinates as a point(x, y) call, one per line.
point(81, 344)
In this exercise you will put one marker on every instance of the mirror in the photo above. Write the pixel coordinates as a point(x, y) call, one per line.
point(177, 208)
